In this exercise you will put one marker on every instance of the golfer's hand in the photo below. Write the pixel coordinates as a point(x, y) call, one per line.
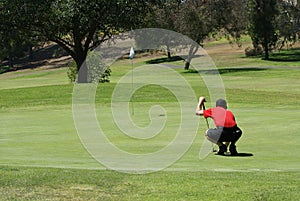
point(202, 99)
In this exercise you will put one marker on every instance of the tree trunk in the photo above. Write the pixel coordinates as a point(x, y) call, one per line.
point(187, 64)
point(266, 49)
point(267, 54)
point(82, 70)
point(169, 51)
point(30, 52)
point(192, 51)
point(10, 61)
point(80, 56)
point(169, 54)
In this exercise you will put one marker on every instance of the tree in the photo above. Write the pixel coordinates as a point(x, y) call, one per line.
point(194, 21)
point(164, 16)
point(199, 20)
point(13, 42)
point(78, 26)
point(230, 18)
point(262, 24)
point(202, 19)
point(288, 22)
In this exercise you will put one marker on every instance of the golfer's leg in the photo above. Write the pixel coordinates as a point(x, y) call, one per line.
point(235, 137)
point(212, 135)
point(220, 144)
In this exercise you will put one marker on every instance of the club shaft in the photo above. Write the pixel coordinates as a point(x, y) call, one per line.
point(206, 118)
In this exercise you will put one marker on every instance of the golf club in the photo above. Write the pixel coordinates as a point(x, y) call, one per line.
point(207, 124)
point(206, 118)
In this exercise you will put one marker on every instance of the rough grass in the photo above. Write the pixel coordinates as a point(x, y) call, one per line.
point(66, 184)
point(232, 55)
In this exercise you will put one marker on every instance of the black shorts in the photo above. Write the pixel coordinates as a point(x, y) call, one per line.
point(222, 134)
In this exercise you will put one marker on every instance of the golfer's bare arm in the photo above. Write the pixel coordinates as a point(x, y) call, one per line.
point(199, 113)
point(199, 109)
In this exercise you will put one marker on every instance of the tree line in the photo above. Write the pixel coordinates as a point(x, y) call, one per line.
point(79, 26)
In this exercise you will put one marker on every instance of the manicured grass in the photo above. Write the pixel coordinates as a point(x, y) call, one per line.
point(32, 78)
point(42, 158)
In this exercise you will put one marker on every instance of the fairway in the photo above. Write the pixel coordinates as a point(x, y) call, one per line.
point(42, 157)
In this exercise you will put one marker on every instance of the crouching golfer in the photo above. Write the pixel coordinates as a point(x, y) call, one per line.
point(226, 130)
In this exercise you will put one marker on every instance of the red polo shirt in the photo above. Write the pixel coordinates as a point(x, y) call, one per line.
point(221, 117)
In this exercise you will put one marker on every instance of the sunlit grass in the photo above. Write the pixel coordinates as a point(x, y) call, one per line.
point(42, 157)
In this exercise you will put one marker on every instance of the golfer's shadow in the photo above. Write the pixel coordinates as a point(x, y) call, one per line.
point(237, 155)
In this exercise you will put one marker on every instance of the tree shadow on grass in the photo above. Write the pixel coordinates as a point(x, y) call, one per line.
point(225, 70)
point(4, 69)
point(172, 59)
point(291, 55)
point(164, 60)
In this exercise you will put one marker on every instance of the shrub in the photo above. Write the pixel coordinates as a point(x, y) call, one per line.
point(97, 73)
point(250, 52)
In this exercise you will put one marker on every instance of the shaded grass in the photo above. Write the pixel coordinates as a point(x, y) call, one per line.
point(290, 55)
point(164, 60)
point(4, 69)
point(222, 71)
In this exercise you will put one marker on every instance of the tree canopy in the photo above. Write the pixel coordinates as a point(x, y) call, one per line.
point(263, 23)
point(200, 20)
point(78, 26)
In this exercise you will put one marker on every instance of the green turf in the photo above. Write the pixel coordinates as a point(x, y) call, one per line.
point(65, 184)
point(42, 158)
